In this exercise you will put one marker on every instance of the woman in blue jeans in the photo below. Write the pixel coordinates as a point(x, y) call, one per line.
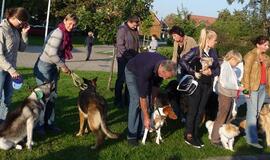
point(13, 38)
point(256, 80)
point(56, 50)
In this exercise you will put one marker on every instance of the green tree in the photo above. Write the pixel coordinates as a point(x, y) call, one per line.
point(103, 16)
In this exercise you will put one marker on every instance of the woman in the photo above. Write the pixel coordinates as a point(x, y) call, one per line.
point(13, 38)
point(256, 81)
point(57, 49)
point(227, 88)
point(191, 63)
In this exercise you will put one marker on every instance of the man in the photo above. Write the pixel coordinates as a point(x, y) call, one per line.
point(127, 45)
point(144, 74)
point(182, 43)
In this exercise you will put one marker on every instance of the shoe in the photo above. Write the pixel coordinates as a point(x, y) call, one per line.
point(191, 141)
point(40, 130)
point(200, 142)
point(86, 59)
point(218, 144)
point(133, 142)
point(256, 145)
point(53, 128)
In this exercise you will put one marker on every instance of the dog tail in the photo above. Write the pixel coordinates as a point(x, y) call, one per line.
point(107, 131)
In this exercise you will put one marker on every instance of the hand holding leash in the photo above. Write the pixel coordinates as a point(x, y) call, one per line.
point(15, 75)
point(66, 70)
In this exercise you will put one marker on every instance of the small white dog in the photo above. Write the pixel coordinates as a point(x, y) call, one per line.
point(227, 133)
point(157, 120)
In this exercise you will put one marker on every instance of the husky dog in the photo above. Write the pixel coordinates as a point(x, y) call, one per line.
point(93, 108)
point(20, 122)
point(227, 133)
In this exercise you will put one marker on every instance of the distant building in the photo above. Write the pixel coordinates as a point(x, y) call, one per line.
point(208, 21)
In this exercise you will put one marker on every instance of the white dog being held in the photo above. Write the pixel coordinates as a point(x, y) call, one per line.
point(157, 120)
point(20, 122)
point(227, 133)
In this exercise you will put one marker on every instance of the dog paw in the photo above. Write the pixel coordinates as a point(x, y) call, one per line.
point(157, 141)
point(86, 130)
point(32, 143)
point(18, 147)
point(79, 134)
point(143, 142)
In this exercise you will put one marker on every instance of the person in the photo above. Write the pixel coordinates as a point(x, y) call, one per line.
point(191, 63)
point(227, 88)
point(256, 83)
point(127, 45)
point(89, 43)
point(56, 50)
point(182, 44)
point(144, 74)
point(153, 44)
point(13, 38)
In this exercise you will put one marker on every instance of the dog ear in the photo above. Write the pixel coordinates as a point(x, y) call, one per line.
point(169, 112)
point(94, 81)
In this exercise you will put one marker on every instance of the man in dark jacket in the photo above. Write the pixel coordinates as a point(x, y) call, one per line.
point(144, 74)
point(127, 44)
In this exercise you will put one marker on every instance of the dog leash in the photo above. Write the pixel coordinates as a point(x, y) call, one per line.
point(78, 81)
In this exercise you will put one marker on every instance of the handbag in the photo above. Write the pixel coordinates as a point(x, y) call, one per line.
point(187, 85)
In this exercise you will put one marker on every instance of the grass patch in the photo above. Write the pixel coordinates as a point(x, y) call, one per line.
point(66, 146)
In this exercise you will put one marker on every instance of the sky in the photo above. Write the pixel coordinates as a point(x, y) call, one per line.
point(196, 7)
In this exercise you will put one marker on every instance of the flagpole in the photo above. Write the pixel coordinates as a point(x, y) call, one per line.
point(47, 20)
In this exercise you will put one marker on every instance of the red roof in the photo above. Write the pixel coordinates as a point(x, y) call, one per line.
point(202, 19)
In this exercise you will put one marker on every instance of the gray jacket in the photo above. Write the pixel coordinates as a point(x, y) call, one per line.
point(52, 49)
point(126, 39)
point(11, 41)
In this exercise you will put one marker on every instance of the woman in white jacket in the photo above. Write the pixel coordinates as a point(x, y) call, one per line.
point(227, 88)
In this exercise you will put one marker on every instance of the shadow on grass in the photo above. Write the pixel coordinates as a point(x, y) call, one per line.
point(72, 152)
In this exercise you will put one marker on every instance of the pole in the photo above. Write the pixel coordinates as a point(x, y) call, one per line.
point(111, 72)
point(47, 20)
point(2, 10)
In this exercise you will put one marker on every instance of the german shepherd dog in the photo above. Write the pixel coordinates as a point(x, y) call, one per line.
point(20, 122)
point(93, 107)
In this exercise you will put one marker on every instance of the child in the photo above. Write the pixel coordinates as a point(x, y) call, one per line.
point(227, 87)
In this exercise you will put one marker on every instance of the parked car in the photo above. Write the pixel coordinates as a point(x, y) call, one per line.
point(38, 30)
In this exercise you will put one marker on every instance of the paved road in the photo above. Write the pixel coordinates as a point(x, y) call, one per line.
point(98, 62)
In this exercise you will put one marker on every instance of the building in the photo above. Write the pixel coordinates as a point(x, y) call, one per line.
point(208, 21)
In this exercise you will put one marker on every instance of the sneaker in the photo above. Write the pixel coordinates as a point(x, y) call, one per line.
point(52, 128)
point(133, 142)
point(256, 145)
point(192, 142)
point(40, 130)
point(200, 142)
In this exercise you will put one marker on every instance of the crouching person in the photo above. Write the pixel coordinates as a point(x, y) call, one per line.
point(144, 74)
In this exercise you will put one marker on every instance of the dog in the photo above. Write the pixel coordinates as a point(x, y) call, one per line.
point(93, 108)
point(206, 62)
point(264, 121)
point(20, 122)
point(158, 117)
point(227, 133)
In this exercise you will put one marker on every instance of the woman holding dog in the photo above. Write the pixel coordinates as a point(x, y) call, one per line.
point(191, 63)
point(227, 87)
point(13, 38)
point(256, 80)
point(57, 49)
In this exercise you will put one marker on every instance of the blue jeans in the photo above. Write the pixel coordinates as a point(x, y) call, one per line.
point(254, 105)
point(135, 117)
point(46, 72)
point(6, 88)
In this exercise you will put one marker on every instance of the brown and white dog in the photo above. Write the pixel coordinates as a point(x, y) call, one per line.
point(227, 133)
point(158, 117)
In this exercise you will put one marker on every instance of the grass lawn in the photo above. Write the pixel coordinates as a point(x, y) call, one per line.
point(66, 146)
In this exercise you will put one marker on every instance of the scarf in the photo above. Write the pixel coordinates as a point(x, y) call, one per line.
point(67, 42)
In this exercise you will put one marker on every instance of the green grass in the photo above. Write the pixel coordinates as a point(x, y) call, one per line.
point(66, 146)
